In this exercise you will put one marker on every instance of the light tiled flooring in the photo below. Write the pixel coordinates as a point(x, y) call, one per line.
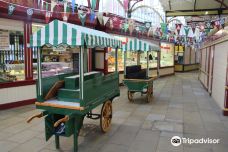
point(180, 107)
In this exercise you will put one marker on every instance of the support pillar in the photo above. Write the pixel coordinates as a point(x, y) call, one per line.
point(28, 55)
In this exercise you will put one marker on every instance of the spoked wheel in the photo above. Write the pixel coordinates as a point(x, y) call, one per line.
point(130, 96)
point(106, 116)
point(149, 93)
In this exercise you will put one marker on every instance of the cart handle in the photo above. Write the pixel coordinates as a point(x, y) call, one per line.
point(65, 119)
point(35, 116)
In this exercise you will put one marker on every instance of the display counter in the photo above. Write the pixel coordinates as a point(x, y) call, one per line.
point(186, 59)
point(133, 58)
point(186, 67)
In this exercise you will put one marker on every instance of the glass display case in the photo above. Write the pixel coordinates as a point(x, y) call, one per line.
point(167, 55)
point(111, 60)
point(153, 59)
point(131, 59)
point(12, 67)
point(12, 72)
point(54, 63)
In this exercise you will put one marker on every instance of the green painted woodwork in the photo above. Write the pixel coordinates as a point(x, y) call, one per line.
point(68, 95)
point(48, 82)
point(73, 83)
point(100, 88)
point(137, 86)
point(49, 129)
point(75, 121)
point(96, 91)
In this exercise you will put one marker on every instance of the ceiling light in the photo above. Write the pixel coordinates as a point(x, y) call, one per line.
point(206, 12)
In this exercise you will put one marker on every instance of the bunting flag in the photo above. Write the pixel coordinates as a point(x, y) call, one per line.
point(222, 22)
point(164, 28)
point(190, 33)
point(131, 23)
point(105, 20)
point(82, 17)
point(93, 4)
point(111, 24)
point(92, 17)
point(125, 27)
point(182, 31)
point(116, 21)
point(11, 9)
point(217, 24)
point(150, 32)
point(208, 24)
point(186, 29)
point(53, 4)
point(100, 17)
point(178, 27)
point(73, 5)
point(197, 34)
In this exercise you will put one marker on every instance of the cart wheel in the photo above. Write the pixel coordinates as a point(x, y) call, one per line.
point(130, 96)
point(106, 116)
point(149, 94)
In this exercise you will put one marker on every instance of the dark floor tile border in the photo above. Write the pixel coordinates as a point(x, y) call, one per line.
point(17, 104)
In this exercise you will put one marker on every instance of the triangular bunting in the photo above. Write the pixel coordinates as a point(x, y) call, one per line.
point(182, 31)
point(100, 17)
point(82, 17)
point(105, 20)
point(190, 33)
point(53, 4)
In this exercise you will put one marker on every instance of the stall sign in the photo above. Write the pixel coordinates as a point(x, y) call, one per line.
point(59, 49)
point(4, 40)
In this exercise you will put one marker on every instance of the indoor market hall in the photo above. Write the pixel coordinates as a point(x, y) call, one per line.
point(113, 76)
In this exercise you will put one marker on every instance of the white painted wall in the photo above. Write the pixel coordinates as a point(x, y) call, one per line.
point(15, 94)
point(219, 76)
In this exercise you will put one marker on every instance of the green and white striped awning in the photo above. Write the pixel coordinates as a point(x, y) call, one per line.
point(58, 33)
point(139, 45)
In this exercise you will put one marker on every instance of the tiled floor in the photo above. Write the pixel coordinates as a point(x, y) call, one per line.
point(180, 107)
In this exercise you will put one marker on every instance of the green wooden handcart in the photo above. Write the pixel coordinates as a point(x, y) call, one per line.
point(66, 99)
point(144, 86)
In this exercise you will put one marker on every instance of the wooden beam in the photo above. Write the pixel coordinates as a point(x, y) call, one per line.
point(195, 13)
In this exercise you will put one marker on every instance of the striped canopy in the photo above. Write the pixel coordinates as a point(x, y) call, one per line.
point(60, 33)
point(139, 45)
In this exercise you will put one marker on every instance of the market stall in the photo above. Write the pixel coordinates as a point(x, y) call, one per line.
point(135, 78)
point(186, 58)
point(67, 98)
point(133, 57)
